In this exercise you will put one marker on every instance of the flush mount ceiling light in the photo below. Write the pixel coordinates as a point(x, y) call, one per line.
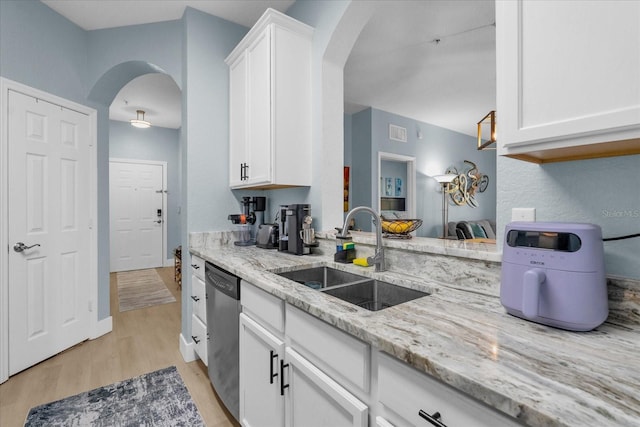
point(140, 122)
point(491, 118)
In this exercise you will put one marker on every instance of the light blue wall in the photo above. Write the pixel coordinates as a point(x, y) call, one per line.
point(361, 166)
point(438, 149)
point(323, 16)
point(42, 49)
point(158, 44)
point(599, 191)
point(206, 197)
point(157, 144)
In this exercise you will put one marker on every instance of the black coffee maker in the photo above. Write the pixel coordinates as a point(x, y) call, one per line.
point(294, 222)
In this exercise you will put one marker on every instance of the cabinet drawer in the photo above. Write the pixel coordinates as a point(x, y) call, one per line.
point(332, 350)
point(197, 266)
point(199, 336)
point(199, 299)
point(266, 309)
point(404, 391)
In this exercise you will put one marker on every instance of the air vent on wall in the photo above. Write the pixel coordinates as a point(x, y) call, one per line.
point(397, 133)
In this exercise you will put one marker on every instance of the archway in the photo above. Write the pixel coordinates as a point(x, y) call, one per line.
point(101, 95)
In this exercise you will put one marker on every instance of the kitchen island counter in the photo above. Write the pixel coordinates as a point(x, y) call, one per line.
point(461, 335)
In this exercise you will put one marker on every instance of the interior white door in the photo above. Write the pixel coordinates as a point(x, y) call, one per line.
point(135, 199)
point(49, 234)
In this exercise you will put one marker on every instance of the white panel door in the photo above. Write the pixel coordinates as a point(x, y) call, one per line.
point(135, 198)
point(49, 235)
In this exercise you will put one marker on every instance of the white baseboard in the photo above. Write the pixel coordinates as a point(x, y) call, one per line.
point(103, 326)
point(170, 262)
point(188, 350)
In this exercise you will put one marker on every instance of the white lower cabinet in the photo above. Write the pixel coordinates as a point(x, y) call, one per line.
point(199, 333)
point(199, 337)
point(313, 399)
point(261, 402)
point(296, 370)
point(278, 386)
point(408, 397)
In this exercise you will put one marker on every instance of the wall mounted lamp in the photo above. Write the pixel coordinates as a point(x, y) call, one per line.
point(444, 181)
point(491, 118)
point(140, 122)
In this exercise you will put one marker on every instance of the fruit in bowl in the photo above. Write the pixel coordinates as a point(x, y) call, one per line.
point(400, 227)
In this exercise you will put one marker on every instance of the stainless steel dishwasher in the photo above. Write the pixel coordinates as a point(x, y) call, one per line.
point(223, 311)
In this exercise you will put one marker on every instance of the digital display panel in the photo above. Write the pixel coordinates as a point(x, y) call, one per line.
point(564, 242)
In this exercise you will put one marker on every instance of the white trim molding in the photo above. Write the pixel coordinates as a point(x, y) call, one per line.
point(188, 350)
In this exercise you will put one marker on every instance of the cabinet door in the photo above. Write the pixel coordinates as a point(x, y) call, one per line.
point(315, 400)
point(199, 336)
point(237, 120)
point(261, 403)
point(409, 398)
point(197, 266)
point(567, 74)
point(259, 135)
point(198, 298)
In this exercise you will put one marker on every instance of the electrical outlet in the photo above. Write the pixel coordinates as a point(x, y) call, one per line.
point(523, 214)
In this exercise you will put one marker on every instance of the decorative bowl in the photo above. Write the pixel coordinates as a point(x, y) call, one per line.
point(400, 228)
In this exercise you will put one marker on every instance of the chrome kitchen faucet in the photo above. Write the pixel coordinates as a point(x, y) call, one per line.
point(378, 257)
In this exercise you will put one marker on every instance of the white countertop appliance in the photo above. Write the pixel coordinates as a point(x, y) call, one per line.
point(553, 273)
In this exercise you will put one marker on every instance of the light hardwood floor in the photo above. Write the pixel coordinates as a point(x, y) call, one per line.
point(142, 341)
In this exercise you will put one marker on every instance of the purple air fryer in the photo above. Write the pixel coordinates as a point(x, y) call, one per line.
point(553, 273)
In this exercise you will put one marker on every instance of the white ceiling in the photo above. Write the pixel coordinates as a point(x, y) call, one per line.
point(396, 65)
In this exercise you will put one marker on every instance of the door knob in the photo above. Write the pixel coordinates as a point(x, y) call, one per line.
point(20, 247)
point(158, 221)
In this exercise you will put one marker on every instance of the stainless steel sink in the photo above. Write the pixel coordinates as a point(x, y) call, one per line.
point(321, 277)
point(362, 291)
point(374, 294)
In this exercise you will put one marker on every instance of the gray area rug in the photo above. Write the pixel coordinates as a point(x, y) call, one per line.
point(159, 398)
point(141, 288)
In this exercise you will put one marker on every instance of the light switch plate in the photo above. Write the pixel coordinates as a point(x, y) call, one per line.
point(523, 214)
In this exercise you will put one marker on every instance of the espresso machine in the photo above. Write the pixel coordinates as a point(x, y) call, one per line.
point(252, 210)
point(296, 220)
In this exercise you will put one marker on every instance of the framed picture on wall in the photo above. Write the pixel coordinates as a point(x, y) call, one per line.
point(399, 188)
point(388, 187)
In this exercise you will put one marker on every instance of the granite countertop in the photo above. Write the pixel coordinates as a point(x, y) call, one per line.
point(463, 336)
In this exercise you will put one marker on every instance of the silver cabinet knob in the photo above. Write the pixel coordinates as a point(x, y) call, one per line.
point(21, 247)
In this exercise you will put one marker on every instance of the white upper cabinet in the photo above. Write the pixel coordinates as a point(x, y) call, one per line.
point(568, 79)
point(270, 105)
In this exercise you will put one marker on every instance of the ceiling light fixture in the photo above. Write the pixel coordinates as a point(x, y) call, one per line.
point(138, 122)
point(491, 117)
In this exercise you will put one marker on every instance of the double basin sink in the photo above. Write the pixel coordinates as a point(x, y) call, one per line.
point(365, 292)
